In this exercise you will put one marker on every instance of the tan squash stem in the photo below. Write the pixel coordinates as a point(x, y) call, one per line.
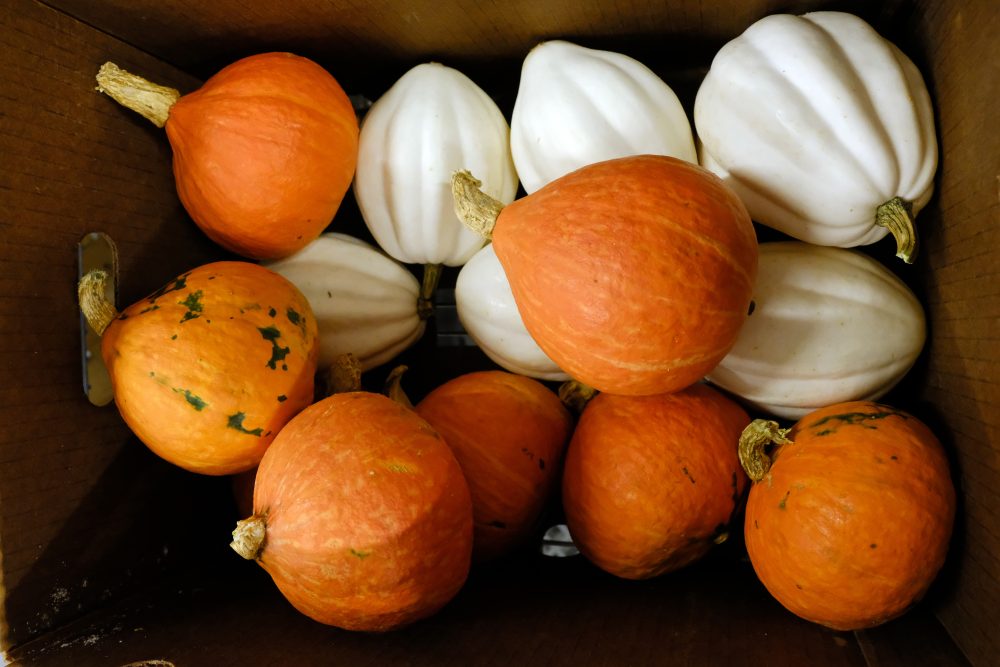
point(249, 536)
point(92, 295)
point(477, 210)
point(150, 100)
point(425, 302)
point(897, 216)
point(394, 387)
point(575, 395)
point(760, 434)
point(342, 376)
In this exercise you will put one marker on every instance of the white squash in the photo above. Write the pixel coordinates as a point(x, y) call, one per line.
point(486, 309)
point(364, 302)
point(822, 127)
point(432, 122)
point(827, 325)
point(576, 106)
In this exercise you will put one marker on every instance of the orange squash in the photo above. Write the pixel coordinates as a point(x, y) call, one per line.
point(361, 515)
point(264, 151)
point(633, 275)
point(652, 482)
point(508, 433)
point(207, 369)
point(848, 522)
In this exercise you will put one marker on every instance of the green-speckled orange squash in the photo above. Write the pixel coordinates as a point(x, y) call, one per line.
point(207, 369)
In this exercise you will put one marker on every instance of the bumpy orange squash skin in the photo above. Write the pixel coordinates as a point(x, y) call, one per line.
point(264, 153)
point(634, 275)
point(368, 517)
point(652, 482)
point(509, 433)
point(852, 522)
point(207, 369)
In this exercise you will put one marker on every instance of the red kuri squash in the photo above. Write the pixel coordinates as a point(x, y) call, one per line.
point(848, 522)
point(264, 151)
point(207, 369)
point(633, 275)
point(652, 482)
point(361, 514)
point(508, 432)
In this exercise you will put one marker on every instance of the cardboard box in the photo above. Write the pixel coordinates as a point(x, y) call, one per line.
point(111, 556)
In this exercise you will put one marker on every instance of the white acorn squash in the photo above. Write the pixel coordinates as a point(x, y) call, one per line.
point(486, 309)
point(365, 303)
point(827, 325)
point(823, 128)
point(432, 122)
point(576, 106)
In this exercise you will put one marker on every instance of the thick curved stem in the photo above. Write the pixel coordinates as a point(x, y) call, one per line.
point(896, 215)
point(249, 536)
point(342, 376)
point(754, 441)
point(575, 395)
point(425, 302)
point(394, 387)
point(150, 100)
point(92, 295)
point(477, 210)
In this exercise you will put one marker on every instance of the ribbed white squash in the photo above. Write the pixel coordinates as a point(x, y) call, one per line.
point(432, 122)
point(827, 325)
point(487, 311)
point(364, 302)
point(576, 106)
point(816, 121)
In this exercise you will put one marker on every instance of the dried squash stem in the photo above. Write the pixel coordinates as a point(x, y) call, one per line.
point(477, 210)
point(92, 295)
point(150, 100)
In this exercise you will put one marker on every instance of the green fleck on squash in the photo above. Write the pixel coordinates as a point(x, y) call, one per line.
point(193, 305)
point(235, 421)
point(278, 353)
point(196, 401)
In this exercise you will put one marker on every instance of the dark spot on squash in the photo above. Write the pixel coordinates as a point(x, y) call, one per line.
point(541, 463)
point(781, 505)
point(293, 316)
point(826, 431)
point(147, 309)
point(196, 401)
point(799, 586)
point(873, 546)
point(178, 284)
point(174, 337)
point(862, 419)
point(526, 452)
point(360, 554)
point(688, 474)
point(272, 312)
point(756, 525)
point(282, 398)
point(879, 459)
point(193, 304)
point(329, 294)
point(894, 457)
point(278, 353)
point(211, 277)
point(753, 307)
point(497, 524)
point(235, 422)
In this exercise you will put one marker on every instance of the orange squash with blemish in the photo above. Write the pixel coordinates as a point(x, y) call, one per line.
point(207, 369)
point(362, 516)
point(849, 519)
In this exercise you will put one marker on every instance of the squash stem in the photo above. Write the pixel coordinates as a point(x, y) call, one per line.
point(477, 210)
point(97, 305)
point(394, 387)
point(425, 302)
point(575, 395)
point(897, 216)
point(756, 437)
point(249, 536)
point(342, 376)
point(150, 100)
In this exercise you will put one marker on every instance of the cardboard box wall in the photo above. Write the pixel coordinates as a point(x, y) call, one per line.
point(110, 554)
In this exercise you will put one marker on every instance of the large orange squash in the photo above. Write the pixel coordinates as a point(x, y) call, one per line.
point(264, 151)
point(652, 482)
point(361, 515)
point(633, 275)
point(508, 432)
point(848, 522)
point(207, 369)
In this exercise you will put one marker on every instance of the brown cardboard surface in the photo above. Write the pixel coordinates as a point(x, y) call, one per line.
point(86, 514)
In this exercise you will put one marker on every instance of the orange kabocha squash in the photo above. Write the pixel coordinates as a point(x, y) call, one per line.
point(849, 522)
point(633, 275)
point(361, 514)
point(652, 482)
point(207, 369)
point(264, 151)
point(508, 432)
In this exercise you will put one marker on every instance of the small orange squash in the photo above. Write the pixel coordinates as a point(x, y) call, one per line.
point(848, 522)
point(361, 515)
point(207, 369)
point(264, 151)
point(508, 433)
point(633, 275)
point(652, 482)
